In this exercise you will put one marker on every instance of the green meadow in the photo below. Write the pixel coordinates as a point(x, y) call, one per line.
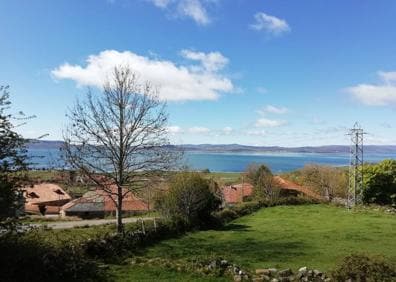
point(317, 236)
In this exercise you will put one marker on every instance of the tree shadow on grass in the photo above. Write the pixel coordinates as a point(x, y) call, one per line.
point(235, 227)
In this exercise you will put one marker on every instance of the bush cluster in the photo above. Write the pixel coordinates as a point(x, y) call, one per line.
point(115, 247)
point(360, 267)
point(189, 200)
point(380, 183)
point(24, 258)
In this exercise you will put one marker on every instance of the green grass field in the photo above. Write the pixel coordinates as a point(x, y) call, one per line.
point(316, 236)
point(225, 177)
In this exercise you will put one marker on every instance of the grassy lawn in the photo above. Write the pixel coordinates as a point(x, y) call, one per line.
point(225, 177)
point(152, 273)
point(316, 236)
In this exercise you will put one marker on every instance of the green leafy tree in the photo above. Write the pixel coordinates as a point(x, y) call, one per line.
point(12, 160)
point(190, 199)
point(380, 183)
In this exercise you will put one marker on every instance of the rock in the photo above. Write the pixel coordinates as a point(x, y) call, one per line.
point(285, 272)
point(237, 278)
point(266, 278)
point(303, 269)
point(236, 269)
point(274, 280)
point(285, 279)
point(310, 273)
point(257, 279)
point(223, 263)
point(317, 273)
point(212, 264)
point(327, 280)
point(273, 271)
point(245, 277)
point(263, 271)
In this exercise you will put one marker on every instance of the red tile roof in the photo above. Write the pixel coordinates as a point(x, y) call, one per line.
point(129, 203)
point(49, 195)
point(235, 193)
point(288, 185)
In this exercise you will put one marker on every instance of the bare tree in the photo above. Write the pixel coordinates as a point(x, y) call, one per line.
point(263, 181)
point(329, 181)
point(118, 138)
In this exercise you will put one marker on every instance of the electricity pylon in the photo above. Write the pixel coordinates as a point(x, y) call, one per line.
point(355, 187)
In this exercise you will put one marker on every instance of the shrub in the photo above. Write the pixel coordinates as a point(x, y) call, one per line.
point(190, 200)
point(380, 183)
point(115, 247)
point(228, 214)
point(233, 212)
point(293, 201)
point(359, 267)
point(24, 258)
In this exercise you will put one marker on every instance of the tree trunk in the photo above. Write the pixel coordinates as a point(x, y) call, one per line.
point(120, 227)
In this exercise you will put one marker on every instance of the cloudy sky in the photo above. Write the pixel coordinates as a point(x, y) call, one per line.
point(257, 72)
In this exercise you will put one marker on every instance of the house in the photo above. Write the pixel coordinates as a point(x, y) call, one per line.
point(44, 198)
point(99, 203)
point(237, 193)
point(289, 188)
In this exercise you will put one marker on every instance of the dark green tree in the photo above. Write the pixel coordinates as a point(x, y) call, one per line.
point(13, 158)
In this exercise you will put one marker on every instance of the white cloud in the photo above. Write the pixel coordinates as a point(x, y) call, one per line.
point(174, 129)
point(198, 130)
point(269, 24)
point(388, 77)
point(211, 62)
point(194, 9)
point(256, 132)
point(175, 82)
point(381, 94)
point(275, 110)
point(265, 122)
point(227, 130)
point(374, 95)
point(160, 3)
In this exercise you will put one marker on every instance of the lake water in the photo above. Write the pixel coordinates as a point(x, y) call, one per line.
point(232, 162)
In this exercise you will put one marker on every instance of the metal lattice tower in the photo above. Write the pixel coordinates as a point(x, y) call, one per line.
point(355, 187)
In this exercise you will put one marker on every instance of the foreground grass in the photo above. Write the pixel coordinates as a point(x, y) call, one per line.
point(317, 236)
point(153, 273)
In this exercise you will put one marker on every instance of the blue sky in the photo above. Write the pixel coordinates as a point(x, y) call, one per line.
point(257, 72)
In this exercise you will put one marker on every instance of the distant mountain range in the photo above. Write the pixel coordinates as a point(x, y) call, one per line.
point(236, 148)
